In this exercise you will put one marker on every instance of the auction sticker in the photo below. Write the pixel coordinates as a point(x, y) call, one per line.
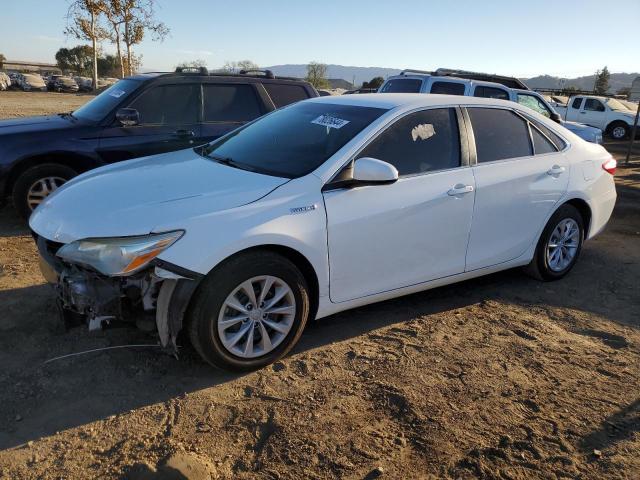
point(330, 121)
point(117, 93)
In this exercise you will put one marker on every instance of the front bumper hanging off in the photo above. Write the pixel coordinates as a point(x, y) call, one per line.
point(162, 290)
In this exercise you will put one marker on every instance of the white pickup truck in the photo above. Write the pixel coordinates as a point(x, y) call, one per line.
point(607, 114)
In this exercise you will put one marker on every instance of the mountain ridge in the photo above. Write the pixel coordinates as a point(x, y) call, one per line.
point(358, 75)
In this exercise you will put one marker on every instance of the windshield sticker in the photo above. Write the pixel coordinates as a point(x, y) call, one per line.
point(117, 93)
point(330, 121)
point(422, 131)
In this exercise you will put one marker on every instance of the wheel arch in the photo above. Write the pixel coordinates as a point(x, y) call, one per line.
point(298, 259)
point(78, 162)
point(613, 123)
point(585, 211)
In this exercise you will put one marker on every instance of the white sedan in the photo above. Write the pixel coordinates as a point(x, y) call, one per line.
point(319, 207)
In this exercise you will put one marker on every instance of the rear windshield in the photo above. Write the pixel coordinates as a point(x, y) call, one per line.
point(402, 85)
point(293, 141)
point(99, 107)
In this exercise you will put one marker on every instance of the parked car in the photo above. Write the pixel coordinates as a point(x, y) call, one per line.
point(31, 82)
point(608, 114)
point(325, 205)
point(5, 81)
point(85, 84)
point(443, 82)
point(141, 115)
point(65, 84)
point(51, 81)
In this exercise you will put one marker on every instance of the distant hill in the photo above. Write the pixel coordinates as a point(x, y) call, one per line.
point(616, 82)
point(361, 74)
point(364, 74)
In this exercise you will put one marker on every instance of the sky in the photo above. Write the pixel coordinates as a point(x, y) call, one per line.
point(562, 38)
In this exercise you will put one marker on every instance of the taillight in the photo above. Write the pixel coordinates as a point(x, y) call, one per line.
point(610, 166)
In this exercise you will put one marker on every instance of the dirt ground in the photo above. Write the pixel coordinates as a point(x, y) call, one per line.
point(500, 377)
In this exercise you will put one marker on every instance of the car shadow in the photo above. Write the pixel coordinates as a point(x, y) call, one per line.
point(11, 225)
point(620, 426)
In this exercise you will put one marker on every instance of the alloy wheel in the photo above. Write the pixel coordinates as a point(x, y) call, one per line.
point(41, 189)
point(256, 316)
point(618, 132)
point(563, 244)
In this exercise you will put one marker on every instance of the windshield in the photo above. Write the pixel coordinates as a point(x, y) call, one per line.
point(404, 85)
point(96, 109)
point(615, 104)
point(293, 141)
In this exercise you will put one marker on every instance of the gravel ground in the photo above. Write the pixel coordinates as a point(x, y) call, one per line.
point(500, 377)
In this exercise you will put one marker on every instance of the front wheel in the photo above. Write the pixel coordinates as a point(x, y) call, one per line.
point(559, 246)
point(36, 184)
point(249, 312)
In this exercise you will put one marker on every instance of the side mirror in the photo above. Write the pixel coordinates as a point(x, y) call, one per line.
point(128, 117)
point(373, 171)
point(556, 117)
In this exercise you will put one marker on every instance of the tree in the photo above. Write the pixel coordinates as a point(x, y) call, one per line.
point(109, 66)
point(235, 67)
point(317, 75)
point(139, 18)
point(83, 22)
point(374, 83)
point(602, 81)
point(78, 60)
point(114, 13)
point(193, 64)
point(2, 60)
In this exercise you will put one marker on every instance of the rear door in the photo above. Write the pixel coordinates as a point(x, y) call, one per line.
point(520, 175)
point(169, 120)
point(227, 106)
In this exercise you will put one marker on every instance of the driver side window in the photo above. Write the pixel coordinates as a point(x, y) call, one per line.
point(168, 105)
point(420, 142)
point(534, 103)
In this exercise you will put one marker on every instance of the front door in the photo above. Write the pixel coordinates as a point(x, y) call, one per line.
point(517, 186)
point(169, 120)
point(593, 113)
point(386, 237)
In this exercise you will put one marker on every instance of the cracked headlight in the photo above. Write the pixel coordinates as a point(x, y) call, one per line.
point(118, 255)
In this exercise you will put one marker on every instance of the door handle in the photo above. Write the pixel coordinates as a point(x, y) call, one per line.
point(555, 170)
point(460, 189)
point(184, 133)
point(583, 113)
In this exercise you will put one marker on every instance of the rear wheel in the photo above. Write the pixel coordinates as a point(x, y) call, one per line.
point(36, 184)
point(249, 312)
point(559, 246)
point(619, 130)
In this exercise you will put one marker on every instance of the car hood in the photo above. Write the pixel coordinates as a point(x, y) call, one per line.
point(35, 124)
point(135, 197)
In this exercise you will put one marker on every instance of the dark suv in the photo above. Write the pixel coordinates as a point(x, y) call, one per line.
point(140, 115)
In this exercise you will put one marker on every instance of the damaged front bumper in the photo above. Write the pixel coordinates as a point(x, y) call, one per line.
point(162, 290)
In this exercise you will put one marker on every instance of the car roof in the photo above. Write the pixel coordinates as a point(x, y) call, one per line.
point(416, 100)
point(217, 75)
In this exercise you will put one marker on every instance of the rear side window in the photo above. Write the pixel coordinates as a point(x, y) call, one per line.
point(491, 92)
point(540, 143)
point(282, 94)
point(499, 134)
point(419, 142)
point(557, 141)
point(168, 105)
point(447, 88)
point(576, 103)
point(402, 85)
point(230, 103)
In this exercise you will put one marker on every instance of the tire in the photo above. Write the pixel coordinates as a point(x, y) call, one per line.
point(542, 266)
point(27, 181)
point(208, 309)
point(619, 130)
